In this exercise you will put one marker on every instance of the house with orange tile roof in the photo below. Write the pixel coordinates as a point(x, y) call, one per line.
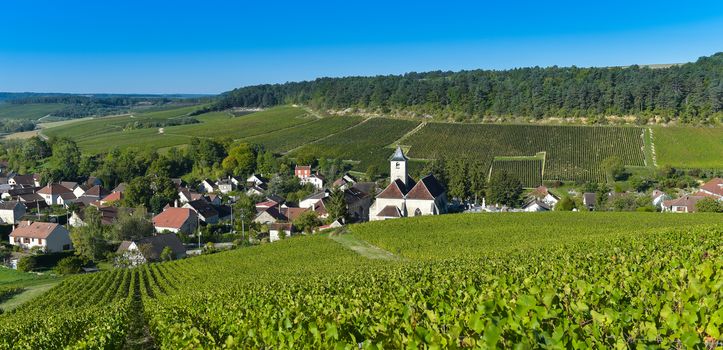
point(183, 220)
point(50, 236)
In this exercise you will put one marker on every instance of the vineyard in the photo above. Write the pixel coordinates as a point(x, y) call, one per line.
point(528, 171)
point(572, 152)
point(618, 280)
point(287, 139)
point(365, 144)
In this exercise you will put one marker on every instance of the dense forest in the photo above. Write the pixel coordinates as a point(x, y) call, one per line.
point(689, 93)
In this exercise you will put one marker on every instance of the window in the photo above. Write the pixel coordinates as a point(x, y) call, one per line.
point(417, 212)
point(397, 165)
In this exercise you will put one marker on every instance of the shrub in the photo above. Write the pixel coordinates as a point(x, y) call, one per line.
point(70, 265)
point(28, 263)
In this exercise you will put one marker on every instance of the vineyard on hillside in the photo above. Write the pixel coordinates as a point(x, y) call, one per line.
point(365, 144)
point(572, 152)
point(528, 171)
point(619, 280)
point(290, 138)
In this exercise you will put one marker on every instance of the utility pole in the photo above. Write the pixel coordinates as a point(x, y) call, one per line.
point(243, 227)
point(198, 228)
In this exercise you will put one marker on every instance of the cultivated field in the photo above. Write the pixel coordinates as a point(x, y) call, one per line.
point(31, 111)
point(528, 171)
point(572, 152)
point(365, 144)
point(687, 147)
point(287, 139)
point(588, 280)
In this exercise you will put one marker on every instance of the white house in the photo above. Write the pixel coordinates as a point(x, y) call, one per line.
point(276, 231)
point(57, 194)
point(11, 212)
point(536, 205)
point(658, 198)
point(542, 194)
point(52, 237)
point(207, 186)
point(685, 204)
point(225, 185)
point(313, 199)
point(404, 197)
point(712, 188)
point(315, 179)
point(256, 180)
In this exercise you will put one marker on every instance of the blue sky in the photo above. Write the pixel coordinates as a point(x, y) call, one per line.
point(213, 46)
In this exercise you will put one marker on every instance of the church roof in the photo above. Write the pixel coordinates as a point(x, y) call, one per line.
point(397, 189)
point(390, 211)
point(398, 155)
point(427, 188)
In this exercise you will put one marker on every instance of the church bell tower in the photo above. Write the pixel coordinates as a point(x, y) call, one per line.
point(398, 166)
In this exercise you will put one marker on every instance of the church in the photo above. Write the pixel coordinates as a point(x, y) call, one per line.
point(405, 197)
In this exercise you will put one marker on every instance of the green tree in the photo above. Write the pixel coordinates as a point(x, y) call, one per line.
point(138, 192)
point(70, 265)
point(66, 158)
point(167, 254)
point(307, 221)
point(614, 167)
point(241, 160)
point(565, 204)
point(336, 206)
point(28, 263)
point(372, 172)
point(505, 189)
point(132, 226)
point(89, 239)
point(709, 205)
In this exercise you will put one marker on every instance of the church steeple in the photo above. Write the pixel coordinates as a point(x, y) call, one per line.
point(398, 166)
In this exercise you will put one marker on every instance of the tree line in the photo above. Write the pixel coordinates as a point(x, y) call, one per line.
point(689, 93)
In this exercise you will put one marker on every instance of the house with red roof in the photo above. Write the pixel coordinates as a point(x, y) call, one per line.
point(712, 188)
point(685, 204)
point(50, 236)
point(183, 220)
point(404, 197)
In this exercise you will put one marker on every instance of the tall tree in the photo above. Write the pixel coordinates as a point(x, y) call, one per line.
point(504, 189)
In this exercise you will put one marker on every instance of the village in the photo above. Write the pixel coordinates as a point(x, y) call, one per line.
point(58, 217)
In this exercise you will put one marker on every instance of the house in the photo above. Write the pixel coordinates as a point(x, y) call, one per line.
point(313, 199)
point(56, 194)
point(206, 212)
point(302, 171)
point(149, 249)
point(120, 188)
point(712, 188)
point(536, 205)
point(51, 237)
point(108, 216)
point(276, 231)
point(260, 206)
point(545, 196)
point(315, 180)
point(32, 201)
point(403, 197)
point(357, 204)
point(176, 220)
point(256, 190)
point(658, 198)
point(111, 199)
point(97, 192)
point(22, 181)
point(185, 195)
point(334, 224)
point(344, 182)
point(71, 185)
point(207, 186)
point(256, 180)
point(11, 212)
point(213, 198)
point(79, 190)
point(269, 215)
point(685, 204)
point(589, 199)
point(225, 185)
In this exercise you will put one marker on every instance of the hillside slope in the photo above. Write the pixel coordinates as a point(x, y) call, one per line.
point(554, 279)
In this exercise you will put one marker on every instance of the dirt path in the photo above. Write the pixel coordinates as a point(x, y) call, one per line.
point(138, 336)
point(362, 247)
point(407, 135)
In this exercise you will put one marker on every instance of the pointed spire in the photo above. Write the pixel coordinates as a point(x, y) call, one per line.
point(398, 155)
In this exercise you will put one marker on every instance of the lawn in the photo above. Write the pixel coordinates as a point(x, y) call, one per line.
point(688, 147)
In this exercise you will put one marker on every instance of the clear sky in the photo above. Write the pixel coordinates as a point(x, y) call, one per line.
point(129, 46)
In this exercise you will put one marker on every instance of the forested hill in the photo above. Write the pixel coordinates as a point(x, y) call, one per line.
point(691, 92)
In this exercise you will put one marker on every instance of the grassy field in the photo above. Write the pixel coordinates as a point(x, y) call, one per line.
point(687, 147)
point(572, 152)
point(32, 111)
point(558, 280)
